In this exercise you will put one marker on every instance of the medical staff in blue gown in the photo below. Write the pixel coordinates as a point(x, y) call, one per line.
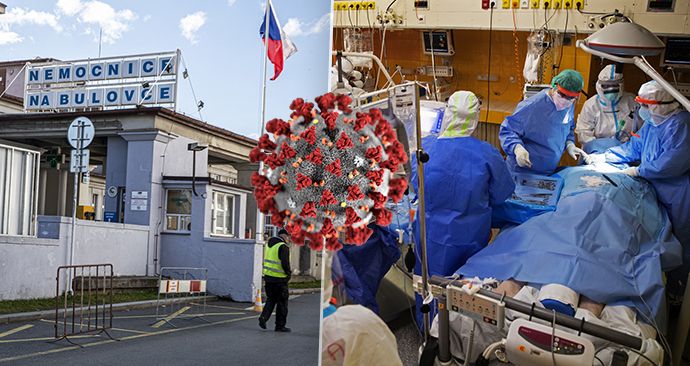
point(663, 153)
point(542, 127)
point(464, 179)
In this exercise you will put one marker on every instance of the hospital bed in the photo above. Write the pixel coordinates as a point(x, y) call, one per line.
point(608, 239)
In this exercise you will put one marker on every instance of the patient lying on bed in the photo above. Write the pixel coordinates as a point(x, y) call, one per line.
point(608, 240)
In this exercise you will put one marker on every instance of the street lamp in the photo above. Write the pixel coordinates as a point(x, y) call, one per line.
point(628, 43)
point(194, 147)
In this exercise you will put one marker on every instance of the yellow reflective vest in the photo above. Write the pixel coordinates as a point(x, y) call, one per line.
point(272, 265)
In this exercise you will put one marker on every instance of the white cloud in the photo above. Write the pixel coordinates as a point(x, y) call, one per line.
point(295, 27)
point(231, 2)
point(191, 24)
point(19, 16)
point(100, 15)
point(7, 37)
point(69, 7)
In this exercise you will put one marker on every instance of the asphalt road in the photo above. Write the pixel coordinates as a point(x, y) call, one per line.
point(228, 335)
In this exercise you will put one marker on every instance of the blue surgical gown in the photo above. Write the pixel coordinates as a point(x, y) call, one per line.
point(664, 155)
point(541, 129)
point(463, 180)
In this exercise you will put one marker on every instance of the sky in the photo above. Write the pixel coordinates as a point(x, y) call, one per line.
point(219, 40)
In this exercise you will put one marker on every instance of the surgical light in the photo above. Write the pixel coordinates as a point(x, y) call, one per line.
point(629, 43)
point(625, 39)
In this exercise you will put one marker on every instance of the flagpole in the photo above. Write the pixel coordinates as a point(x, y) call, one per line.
point(259, 216)
point(263, 91)
point(256, 282)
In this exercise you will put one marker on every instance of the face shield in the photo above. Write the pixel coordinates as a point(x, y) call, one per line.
point(563, 98)
point(610, 85)
point(656, 104)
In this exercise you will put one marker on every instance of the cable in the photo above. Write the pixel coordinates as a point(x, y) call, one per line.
point(565, 31)
point(600, 361)
point(546, 21)
point(664, 341)
point(389, 5)
point(191, 86)
point(488, 76)
point(575, 52)
point(645, 357)
point(626, 349)
point(553, 337)
point(516, 50)
point(433, 63)
point(383, 43)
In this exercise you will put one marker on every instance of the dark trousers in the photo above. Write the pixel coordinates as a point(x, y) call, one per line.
point(277, 297)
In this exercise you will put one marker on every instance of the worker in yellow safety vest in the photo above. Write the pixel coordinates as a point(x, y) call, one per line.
point(276, 276)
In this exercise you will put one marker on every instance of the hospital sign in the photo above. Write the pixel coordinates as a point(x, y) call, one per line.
point(106, 83)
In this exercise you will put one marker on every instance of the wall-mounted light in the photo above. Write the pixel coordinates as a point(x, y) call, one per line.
point(194, 147)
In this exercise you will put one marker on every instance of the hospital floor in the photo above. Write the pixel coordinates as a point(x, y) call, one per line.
point(409, 339)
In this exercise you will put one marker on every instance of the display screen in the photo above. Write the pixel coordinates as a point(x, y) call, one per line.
point(677, 51)
point(439, 41)
point(660, 5)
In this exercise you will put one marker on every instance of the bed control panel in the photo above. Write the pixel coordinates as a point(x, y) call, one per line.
point(477, 306)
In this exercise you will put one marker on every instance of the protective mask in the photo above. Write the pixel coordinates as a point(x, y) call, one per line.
point(657, 119)
point(645, 114)
point(612, 97)
point(560, 102)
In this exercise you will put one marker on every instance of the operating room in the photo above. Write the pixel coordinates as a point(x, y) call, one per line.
point(547, 216)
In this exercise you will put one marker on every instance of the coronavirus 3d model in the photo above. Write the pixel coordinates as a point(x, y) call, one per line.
point(328, 172)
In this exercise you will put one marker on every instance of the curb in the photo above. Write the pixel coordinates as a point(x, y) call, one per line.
point(299, 291)
point(50, 314)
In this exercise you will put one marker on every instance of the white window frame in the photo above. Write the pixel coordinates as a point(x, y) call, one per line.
point(178, 217)
point(269, 228)
point(230, 208)
point(28, 203)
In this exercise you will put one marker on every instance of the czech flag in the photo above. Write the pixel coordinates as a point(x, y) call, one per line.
point(279, 45)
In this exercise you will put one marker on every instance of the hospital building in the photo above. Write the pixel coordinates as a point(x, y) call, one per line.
point(162, 189)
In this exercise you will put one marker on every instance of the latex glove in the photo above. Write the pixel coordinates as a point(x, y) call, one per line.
point(632, 171)
point(595, 158)
point(522, 157)
point(574, 151)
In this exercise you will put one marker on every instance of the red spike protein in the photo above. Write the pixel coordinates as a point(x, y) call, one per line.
point(328, 172)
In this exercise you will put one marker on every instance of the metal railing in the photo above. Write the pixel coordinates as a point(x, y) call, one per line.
point(87, 300)
point(179, 287)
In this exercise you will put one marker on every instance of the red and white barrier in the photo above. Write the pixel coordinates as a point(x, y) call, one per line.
point(182, 286)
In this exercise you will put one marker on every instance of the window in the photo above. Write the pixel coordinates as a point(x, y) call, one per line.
point(18, 184)
point(269, 229)
point(223, 211)
point(178, 210)
point(94, 203)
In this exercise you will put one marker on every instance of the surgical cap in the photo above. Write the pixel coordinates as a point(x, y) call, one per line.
point(654, 92)
point(461, 116)
point(570, 80)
